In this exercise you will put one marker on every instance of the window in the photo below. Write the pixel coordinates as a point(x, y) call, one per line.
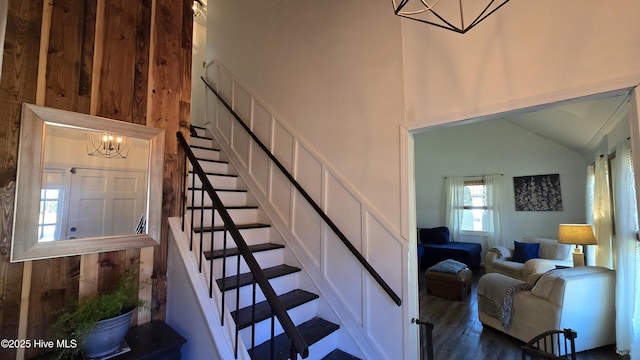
point(475, 210)
point(50, 217)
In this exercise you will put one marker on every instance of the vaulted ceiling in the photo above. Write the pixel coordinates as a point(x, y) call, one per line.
point(579, 125)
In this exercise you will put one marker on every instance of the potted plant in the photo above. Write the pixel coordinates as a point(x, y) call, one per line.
point(99, 324)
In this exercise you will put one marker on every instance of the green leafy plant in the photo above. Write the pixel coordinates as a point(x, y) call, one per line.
point(78, 319)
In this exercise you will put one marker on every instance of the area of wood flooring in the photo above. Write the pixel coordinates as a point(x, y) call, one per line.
point(458, 334)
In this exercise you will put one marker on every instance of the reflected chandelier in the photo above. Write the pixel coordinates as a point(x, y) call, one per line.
point(423, 11)
point(107, 145)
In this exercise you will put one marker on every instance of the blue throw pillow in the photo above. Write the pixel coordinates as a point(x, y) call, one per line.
point(438, 235)
point(525, 251)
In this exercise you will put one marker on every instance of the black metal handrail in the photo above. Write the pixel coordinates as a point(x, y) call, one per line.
point(383, 284)
point(298, 344)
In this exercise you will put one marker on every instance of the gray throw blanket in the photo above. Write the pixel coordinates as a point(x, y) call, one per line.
point(495, 296)
point(448, 266)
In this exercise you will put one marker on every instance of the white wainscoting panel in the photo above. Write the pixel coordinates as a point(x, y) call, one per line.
point(280, 195)
point(308, 172)
point(242, 103)
point(261, 123)
point(360, 304)
point(241, 143)
point(344, 273)
point(307, 227)
point(260, 168)
point(345, 210)
point(283, 145)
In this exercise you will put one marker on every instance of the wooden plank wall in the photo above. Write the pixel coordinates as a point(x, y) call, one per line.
point(122, 59)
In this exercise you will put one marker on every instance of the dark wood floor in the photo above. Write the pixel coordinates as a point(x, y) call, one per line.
point(458, 334)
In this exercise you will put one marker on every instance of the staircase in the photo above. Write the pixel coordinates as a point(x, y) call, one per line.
point(255, 324)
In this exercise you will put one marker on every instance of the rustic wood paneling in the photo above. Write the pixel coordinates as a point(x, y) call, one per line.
point(118, 60)
point(65, 52)
point(54, 283)
point(17, 85)
point(86, 60)
point(141, 77)
point(111, 58)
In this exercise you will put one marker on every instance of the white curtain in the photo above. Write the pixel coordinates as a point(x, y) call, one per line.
point(590, 251)
point(454, 186)
point(602, 214)
point(495, 231)
point(627, 254)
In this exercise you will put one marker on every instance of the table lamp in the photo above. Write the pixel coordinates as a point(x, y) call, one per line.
point(576, 234)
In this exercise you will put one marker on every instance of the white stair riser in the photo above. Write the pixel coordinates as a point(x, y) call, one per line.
point(281, 285)
point(228, 198)
point(239, 216)
point(201, 142)
point(208, 154)
point(250, 236)
point(213, 167)
point(200, 131)
point(218, 182)
point(265, 259)
point(298, 315)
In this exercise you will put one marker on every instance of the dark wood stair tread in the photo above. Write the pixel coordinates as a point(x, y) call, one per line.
point(239, 207)
point(290, 300)
point(219, 190)
point(204, 148)
point(213, 161)
point(218, 254)
point(338, 354)
point(231, 282)
point(239, 226)
point(215, 174)
point(312, 331)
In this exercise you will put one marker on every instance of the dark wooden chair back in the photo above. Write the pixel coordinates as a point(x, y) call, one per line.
point(553, 345)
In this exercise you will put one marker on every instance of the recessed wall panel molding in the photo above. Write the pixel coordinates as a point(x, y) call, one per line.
point(259, 169)
point(225, 86)
point(345, 210)
point(308, 172)
point(242, 102)
point(280, 195)
point(383, 250)
point(378, 320)
point(344, 273)
point(241, 143)
point(283, 145)
point(225, 123)
point(306, 226)
point(261, 124)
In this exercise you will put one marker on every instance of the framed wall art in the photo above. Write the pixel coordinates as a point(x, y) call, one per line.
point(538, 192)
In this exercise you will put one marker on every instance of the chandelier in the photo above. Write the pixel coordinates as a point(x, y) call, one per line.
point(106, 145)
point(450, 15)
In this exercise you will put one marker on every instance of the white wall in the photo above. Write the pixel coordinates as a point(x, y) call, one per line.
point(497, 147)
point(527, 53)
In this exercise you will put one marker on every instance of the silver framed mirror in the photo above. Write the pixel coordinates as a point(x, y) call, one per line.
point(85, 184)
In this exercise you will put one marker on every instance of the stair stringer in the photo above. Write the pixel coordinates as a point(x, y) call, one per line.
point(340, 313)
point(221, 336)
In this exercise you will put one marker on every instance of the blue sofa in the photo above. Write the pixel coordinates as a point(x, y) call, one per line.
point(434, 245)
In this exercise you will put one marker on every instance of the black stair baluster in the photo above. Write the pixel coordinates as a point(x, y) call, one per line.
point(224, 269)
point(253, 313)
point(273, 336)
point(183, 189)
point(237, 300)
point(201, 232)
point(213, 223)
point(193, 195)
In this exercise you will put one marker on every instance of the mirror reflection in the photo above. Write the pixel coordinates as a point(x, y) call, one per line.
point(94, 183)
point(83, 185)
